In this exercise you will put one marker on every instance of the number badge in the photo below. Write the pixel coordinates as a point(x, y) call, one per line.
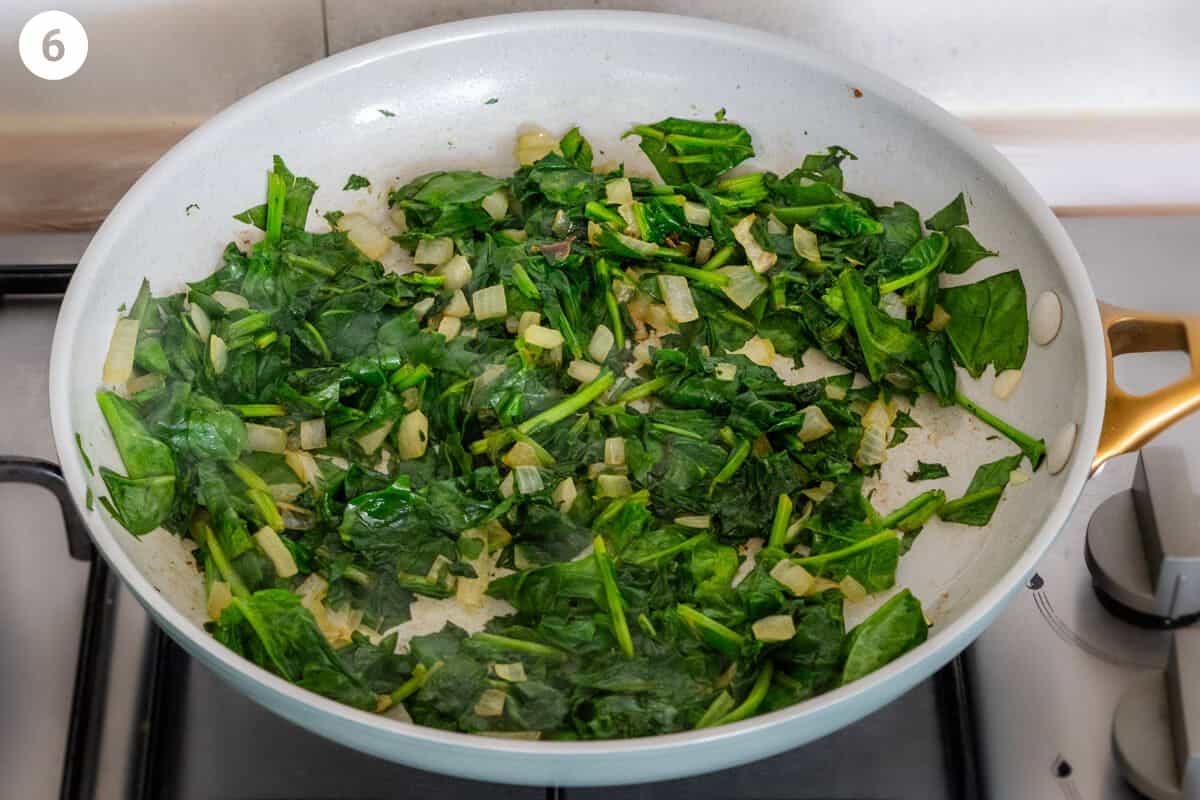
point(53, 45)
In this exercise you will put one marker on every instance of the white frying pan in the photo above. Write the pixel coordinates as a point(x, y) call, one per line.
point(604, 71)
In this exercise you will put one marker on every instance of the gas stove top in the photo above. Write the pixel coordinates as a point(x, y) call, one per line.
point(99, 704)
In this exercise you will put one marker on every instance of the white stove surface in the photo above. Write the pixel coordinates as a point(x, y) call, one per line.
point(1049, 673)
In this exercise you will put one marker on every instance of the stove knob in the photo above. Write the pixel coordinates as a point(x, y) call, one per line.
point(1143, 545)
point(1156, 730)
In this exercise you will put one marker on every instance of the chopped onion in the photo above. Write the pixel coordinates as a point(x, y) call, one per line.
point(414, 435)
point(775, 628)
point(277, 551)
point(816, 424)
point(762, 260)
point(583, 371)
point(305, 467)
point(704, 251)
point(641, 354)
point(200, 321)
point(835, 391)
point(893, 305)
point(561, 224)
point(219, 596)
point(527, 319)
point(759, 350)
point(852, 590)
point(614, 451)
point(412, 396)
point(458, 305)
point(286, 492)
point(546, 338)
point(565, 494)
point(534, 146)
point(820, 492)
point(618, 191)
point(490, 703)
point(774, 226)
point(218, 353)
point(1006, 383)
point(366, 236)
point(805, 243)
point(678, 298)
point(312, 434)
point(528, 480)
point(119, 361)
point(151, 380)
point(1017, 477)
point(496, 204)
point(506, 486)
point(449, 327)
point(231, 301)
point(456, 271)
point(434, 252)
point(795, 577)
point(490, 303)
point(516, 234)
point(745, 285)
point(697, 213)
point(940, 319)
point(872, 450)
point(601, 344)
point(399, 219)
point(878, 415)
point(513, 673)
point(265, 438)
point(725, 371)
point(593, 232)
point(373, 439)
point(521, 454)
point(613, 486)
point(822, 585)
point(421, 308)
point(698, 521)
point(659, 318)
point(470, 591)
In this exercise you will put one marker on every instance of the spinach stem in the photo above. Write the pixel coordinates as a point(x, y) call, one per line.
point(779, 526)
point(822, 559)
point(643, 389)
point(754, 698)
point(1034, 449)
point(721, 705)
point(612, 596)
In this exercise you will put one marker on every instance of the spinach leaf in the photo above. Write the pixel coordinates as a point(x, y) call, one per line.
point(895, 628)
point(927, 472)
point(989, 323)
point(979, 502)
point(953, 215)
point(689, 151)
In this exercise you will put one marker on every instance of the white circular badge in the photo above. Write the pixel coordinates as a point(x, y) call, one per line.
point(53, 45)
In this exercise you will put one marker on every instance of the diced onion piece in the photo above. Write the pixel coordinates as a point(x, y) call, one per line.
point(583, 371)
point(659, 318)
point(774, 226)
point(218, 353)
point(366, 236)
point(373, 439)
point(521, 454)
point(893, 305)
point(745, 285)
point(528, 480)
point(725, 371)
point(852, 590)
point(698, 521)
point(820, 492)
point(312, 434)
point(565, 494)
point(835, 391)
point(496, 204)
point(516, 234)
point(286, 492)
point(470, 591)
point(449, 327)
point(593, 232)
point(872, 450)
point(614, 451)
point(277, 551)
point(230, 300)
point(295, 518)
point(795, 577)
point(414, 435)
point(490, 303)
point(546, 338)
point(697, 213)
point(939, 320)
point(601, 344)
point(506, 486)
point(534, 145)
point(678, 298)
point(265, 438)
point(1017, 477)
point(399, 219)
point(878, 415)
point(513, 673)
point(641, 354)
point(704, 251)
point(219, 596)
point(561, 224)
point(151, 380)
point(456, 271)
point(618, 191)
point(762, 260)
point(598, 468)
point(816, 424)
point(412, 396)
point(490, 703)
point(613, 486)
point(421, 308)
point(805, 243)
point(775, 628)
point(457, 305)
point(759, 350)
point(1006, 383)
point(434, 252)
point(305, 467)
point(200, 321)
point(527, 320)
